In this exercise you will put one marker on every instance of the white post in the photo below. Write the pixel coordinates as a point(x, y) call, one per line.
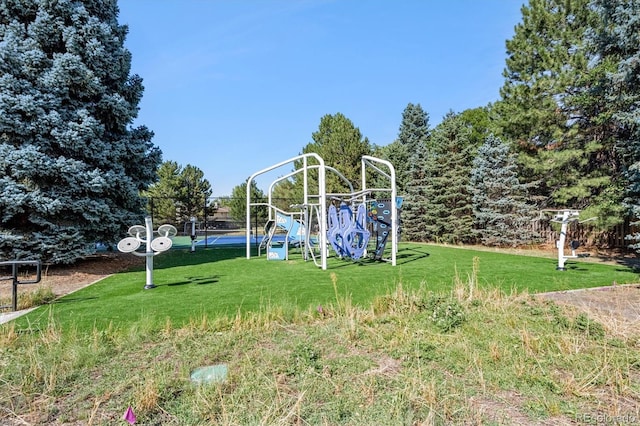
point(193, 234)
point(567, 215)
point(560, 243)
point(394, 195)
point(149, 253)
point(322, 201)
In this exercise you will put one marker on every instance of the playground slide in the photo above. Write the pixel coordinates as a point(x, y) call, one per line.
point(293, 227)
point(295, 235)
point(269, 231)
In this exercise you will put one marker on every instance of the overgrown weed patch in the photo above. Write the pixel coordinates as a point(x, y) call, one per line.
point(344, 364)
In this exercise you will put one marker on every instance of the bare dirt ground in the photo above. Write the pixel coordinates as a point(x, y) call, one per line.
point(617, 306)
point(64, 279)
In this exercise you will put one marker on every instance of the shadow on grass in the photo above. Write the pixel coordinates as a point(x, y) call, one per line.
point(67, 299)
point(575, 267)
point(175, 284)
point(201, 256)
point(185, 257)
point(631, 263)
point(404, 255)
point(627, 258)
point(410, 254)
point(196, 281)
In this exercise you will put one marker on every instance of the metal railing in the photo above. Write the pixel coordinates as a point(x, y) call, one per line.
point(15, 268)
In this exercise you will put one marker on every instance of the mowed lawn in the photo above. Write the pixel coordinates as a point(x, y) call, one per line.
point(220, 281)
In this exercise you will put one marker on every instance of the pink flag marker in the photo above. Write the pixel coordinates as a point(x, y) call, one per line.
point(129, 416)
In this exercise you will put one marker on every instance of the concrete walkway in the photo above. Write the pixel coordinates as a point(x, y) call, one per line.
point(8, 316)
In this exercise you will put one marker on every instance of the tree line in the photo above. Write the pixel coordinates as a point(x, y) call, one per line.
point(563, 134)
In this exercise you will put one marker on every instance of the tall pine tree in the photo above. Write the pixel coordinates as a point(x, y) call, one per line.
point(449, 212)
point(502, 215)
point(179, 194)
point(415, 206)
point(610, 101)
point(544, 65)
point(341, 145)
point(71, 164)
point(413, 136)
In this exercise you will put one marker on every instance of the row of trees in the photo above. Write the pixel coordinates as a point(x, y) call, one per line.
point(182, 192)
point(564, 133)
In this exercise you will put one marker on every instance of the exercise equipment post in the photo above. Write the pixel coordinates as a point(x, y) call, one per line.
point(153, 246)
point(193, 234)
point(564, 218)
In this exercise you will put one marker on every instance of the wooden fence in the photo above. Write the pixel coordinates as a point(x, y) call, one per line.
point(586, 234)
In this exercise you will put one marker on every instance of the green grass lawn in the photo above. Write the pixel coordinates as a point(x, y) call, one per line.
point(412, 344)
point(222, 282)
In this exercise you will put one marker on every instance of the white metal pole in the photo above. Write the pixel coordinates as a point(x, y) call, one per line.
point(248, 218)
point(562, 240)
point(193, 234)
point(149, 252)
point(322, 191)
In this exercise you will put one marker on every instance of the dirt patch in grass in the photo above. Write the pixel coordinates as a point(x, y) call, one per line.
point(617, 307)
point(65, 279)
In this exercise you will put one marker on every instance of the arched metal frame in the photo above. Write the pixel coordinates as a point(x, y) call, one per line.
point(322, 198)
point(370, 161)
point(366, 161)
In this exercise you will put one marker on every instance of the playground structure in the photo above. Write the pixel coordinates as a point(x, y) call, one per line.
point(346, 222)
point(566, 217)
point(153, 246)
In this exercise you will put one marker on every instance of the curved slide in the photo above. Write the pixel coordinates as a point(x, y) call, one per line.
point(295, 234)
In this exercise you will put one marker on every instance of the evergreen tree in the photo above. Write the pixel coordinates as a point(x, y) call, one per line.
point(542, 62)
point(398, 155)
point(179, 194)
point(502, 216)
point(238, 203)
point(71, 165)
point(415, 206)
point(413, 135)
point(611, 100)
point(341, 145)
point(285, 193)
point(449, 215)
point(414, 128)
point(162, 195)
point(544, 65)
point(479, 120)
point(194, 192)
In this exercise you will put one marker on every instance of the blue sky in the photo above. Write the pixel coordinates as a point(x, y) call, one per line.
point(235, 86)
